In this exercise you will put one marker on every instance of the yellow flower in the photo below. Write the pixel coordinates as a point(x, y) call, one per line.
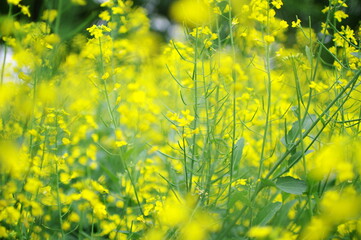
point(14, 2)
point(74, 217)
point(99, 210)
point(339, 15)
point(277, 3)
point(11, 215)
point(66, 226)
point(283, 24)
point(325, 10)
point(174, 212)
point(297, 23)
point(260, 231)
point(120, 143)
point(319, 87)
point(32, 185)
point(66, 141)
point(191, 13)
point(89, 195)
point(98, 187)
point(79, 2)
point(97, 31)
point(105, 15)
point(105, 76)
point(24, 10)
point(3, 232)
point(269, 39)
point(49, 15)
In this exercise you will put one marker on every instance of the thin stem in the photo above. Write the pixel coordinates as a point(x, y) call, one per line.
point(195, 80)
point(115, 126)
point(105, 87)
point(306, 133)
point(5, 52)
point(185, 160)
point(58, 18)
point(268, 109)
point(58, 200)
point(300, 127)
point(234, 78)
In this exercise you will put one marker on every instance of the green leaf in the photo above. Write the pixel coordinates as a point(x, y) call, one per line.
point(267, 213)
point(281, 218)
point(267, 183)
point(296, 157)
point(238, 151)
point(242, 196)
point(309, 54)
point(291, 185)
point(294, 132)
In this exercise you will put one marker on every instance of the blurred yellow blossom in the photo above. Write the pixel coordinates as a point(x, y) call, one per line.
point(192, 13)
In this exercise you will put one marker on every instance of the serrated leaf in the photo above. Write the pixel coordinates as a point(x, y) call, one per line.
point(291, 185)
point(267, 213)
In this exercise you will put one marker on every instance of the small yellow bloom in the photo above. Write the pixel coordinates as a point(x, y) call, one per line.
point(297, 23)
point(105, 76)
point(319, 87)
point(14, 2)
point(325, 10)
point(283, 24)
point(235, 21)
point(120, 143)
point(74, 217)
point(79, 2)
point(97, 31)
point(226, 9)
point(49, 15)
point(25, 10)
point(119, 204)
point(339, 15)
point(269, 39)
point(66, 141)
point(191, 13)
point(260, 232)
point(66, 226)
point(277, 3)
point(105, 15)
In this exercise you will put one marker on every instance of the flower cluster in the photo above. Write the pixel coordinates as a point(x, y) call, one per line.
point(231, 131)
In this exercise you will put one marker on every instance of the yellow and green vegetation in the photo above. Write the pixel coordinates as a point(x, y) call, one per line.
point(228, 132)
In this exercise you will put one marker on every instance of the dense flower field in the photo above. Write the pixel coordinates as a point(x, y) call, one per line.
point(226, 133)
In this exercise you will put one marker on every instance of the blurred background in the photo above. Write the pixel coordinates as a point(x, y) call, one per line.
point(78, 18)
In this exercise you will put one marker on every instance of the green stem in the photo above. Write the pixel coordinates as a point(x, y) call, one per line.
point(268, 109)
point(58, 18)
point(115, 126)
point(58, 200)
point(3, 65)
point(105, 87)
point(234, 78)
point(300, 127)
point(185, 160)
point(195, 80)
point(306, 133)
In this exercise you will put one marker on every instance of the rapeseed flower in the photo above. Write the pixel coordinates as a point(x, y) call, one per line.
point(192, 13)
point(228, 132)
